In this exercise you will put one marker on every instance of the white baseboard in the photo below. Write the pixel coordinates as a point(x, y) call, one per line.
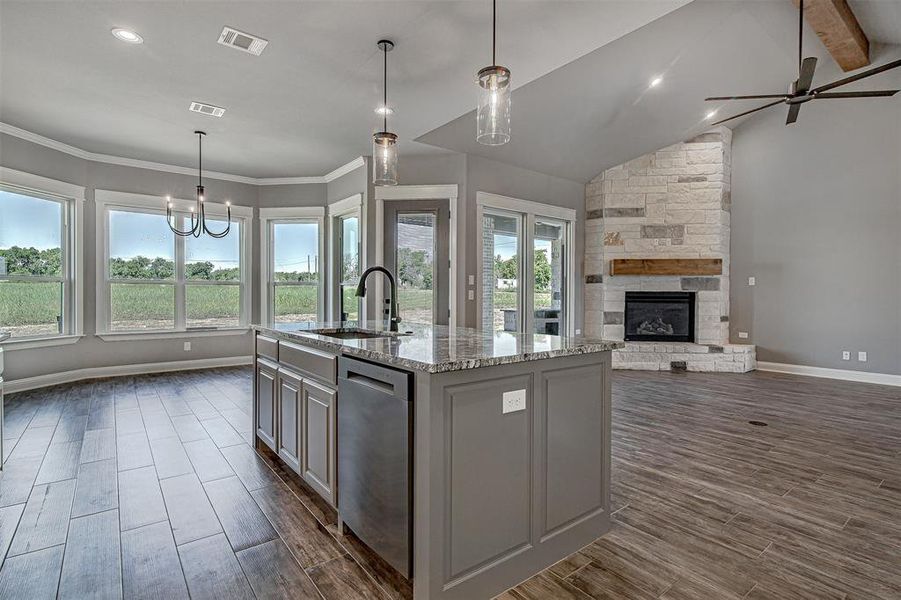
point(30, 383)
point(844, 374)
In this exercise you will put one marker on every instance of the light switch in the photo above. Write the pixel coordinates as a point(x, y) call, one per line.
point(472, 280)
point(752, 281)
point(471, 295)
point(862, 356)
point(187, 346)
point(514, 401)
point(743, 335)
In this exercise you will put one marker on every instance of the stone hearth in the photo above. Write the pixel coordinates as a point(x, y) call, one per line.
point(673, 203)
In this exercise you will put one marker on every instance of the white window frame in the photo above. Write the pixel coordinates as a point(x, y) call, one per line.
point(268, 218)
point(105, 201)
point(72, 197)
point(343, 209)
point(528, 210)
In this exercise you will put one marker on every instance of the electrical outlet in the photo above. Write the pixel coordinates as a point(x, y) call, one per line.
point(743, 335)
point(862, 356)
point(472, 280)
point(846, 355)
point(187, 346)
point(514, 401)
point(578, 332)
point(752, 281)
point(471, 295)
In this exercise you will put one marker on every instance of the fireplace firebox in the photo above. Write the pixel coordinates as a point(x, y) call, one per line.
point(660, 317)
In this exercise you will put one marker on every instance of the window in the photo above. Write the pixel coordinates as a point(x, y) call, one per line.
point(155, 281)
point(415, 263)
point(38, 257)
point(293, 266)
point(348, 228)
point(346, 235)
point(526, 279)
point(213, 278)
point(141, 271)
point(500, 273)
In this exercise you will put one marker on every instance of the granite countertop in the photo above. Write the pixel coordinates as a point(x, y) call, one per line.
point(438, 349)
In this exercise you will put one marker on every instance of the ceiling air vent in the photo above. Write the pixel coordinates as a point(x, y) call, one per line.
point(242, 41)
point(207, 109)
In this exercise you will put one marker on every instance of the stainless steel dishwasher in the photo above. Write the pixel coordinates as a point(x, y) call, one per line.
point(375, 458)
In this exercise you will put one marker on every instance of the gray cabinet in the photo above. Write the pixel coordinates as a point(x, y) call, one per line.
point(290, 419)
point(319, 445)
point(295, 405)
point(265, 393)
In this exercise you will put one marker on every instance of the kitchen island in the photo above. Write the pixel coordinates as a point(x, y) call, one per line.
point(490, 449)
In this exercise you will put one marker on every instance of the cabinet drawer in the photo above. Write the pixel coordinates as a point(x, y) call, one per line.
point(267, 347)
point(310, 362)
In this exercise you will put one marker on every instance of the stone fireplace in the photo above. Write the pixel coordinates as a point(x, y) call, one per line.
point(670, 204)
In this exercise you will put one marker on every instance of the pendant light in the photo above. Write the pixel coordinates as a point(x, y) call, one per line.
point(198, 213)
point(493, 117)
point(384, 143)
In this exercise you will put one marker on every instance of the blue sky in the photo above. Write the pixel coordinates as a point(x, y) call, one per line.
point(28, 222)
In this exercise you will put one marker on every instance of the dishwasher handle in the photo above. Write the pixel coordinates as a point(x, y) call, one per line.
point(380, 378)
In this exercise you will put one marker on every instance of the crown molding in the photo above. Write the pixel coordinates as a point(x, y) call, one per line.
point(357, 163)
point(154, 166)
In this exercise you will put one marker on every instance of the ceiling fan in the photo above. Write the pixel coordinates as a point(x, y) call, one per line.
point(800, 92)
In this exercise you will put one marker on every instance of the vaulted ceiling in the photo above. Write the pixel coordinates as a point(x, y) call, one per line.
point(600, 111)
point(580, 69)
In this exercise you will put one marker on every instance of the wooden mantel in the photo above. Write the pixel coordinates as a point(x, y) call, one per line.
point(666, 266)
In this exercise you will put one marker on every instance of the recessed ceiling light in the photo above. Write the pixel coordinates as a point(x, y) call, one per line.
point(384, 110)
point(127, 35)
point(710, 114)
point(656, 81)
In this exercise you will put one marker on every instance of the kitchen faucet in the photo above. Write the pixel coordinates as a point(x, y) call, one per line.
point(393, 317)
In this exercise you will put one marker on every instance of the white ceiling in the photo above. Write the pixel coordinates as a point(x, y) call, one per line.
point(598, 111)
point(306, 105)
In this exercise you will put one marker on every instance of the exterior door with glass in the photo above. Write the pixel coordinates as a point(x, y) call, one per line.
point(417, 251)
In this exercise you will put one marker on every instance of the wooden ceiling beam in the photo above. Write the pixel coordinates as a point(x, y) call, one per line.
point(838, 29)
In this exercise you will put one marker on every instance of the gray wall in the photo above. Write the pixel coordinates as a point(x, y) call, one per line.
point(348, 184)
point(816, 216)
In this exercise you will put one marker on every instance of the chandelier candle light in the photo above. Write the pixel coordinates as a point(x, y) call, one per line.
point(384, 143)
point(493, 117)
point(198, 213)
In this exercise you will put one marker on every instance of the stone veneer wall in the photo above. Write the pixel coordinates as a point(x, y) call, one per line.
point(672, 203)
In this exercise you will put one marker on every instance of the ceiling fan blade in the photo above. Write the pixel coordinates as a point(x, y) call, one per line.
point(793, 111)
point(805, 78)
point(747, 112)
point(757, 97)
point(886, 67)
point(873, 94)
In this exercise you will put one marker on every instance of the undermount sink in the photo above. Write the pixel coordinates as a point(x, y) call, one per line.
point(353, 333)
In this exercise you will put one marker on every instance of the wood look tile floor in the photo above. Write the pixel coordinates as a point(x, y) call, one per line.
point(148, 487)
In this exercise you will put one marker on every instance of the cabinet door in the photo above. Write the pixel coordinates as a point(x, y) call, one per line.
point(264, 401)
point(319, 470)
point(290, 429)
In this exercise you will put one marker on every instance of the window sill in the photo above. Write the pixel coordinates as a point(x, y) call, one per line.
point(11, 345)
point(129, 336)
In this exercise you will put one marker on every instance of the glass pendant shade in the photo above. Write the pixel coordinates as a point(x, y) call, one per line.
point(384, 158)
point(494, 106)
